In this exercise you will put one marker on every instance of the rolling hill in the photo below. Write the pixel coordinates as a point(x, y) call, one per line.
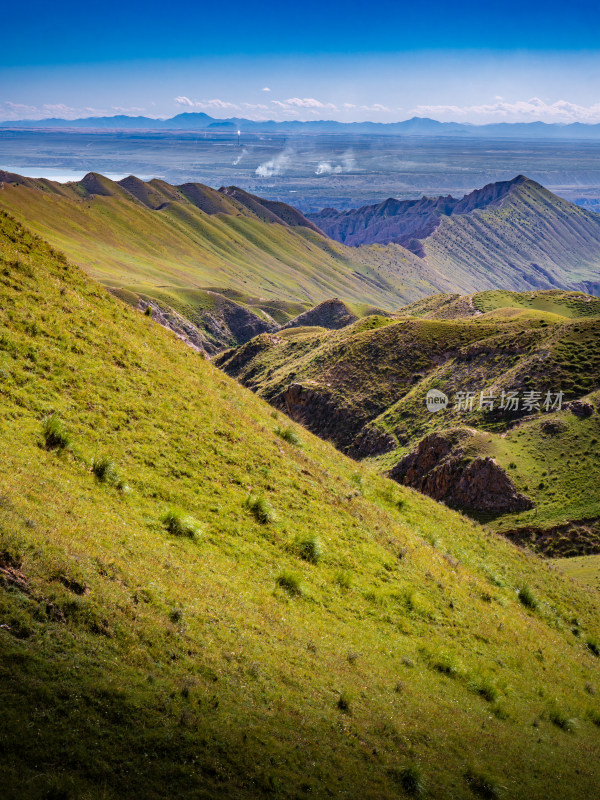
point(199, 600)
point(364, 387)
point(152, 236)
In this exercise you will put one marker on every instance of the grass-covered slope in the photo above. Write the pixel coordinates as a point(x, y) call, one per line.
point(365, 388)
point(148, 237)
point(533, 239)
point(301, 627)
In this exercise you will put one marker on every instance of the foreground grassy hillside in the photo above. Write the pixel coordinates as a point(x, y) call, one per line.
point(301, 627)
point(365, 388)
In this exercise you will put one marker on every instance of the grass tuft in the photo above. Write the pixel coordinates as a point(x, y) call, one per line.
point(290, 582)
point(310, 548)
point(105, 470)
point(410, 779)
point(486, 689)
point(343, 578)
point(289, 435)
point(180, 524)
point(343, 702)
point(562, 721)
point(594, 716)
point(54, 433)
point(593, 646)
point(527, 597)
point(261, 508)
point(482, 785)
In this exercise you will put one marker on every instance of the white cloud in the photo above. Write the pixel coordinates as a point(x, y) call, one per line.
point(125, 109)
point(216, 103)
point(255, 106)
point(15, 111)
point(309, 102)
point(530, 110)
point(377, 107)
point(265, 89)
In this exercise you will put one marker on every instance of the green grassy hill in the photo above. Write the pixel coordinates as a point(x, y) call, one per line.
point(151, 237)
point(365, 388)
point(299, 628)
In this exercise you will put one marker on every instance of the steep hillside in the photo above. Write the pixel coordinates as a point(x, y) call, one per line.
point(514, 235)
point(365, 386)
point(301, 627)
point(405, 221)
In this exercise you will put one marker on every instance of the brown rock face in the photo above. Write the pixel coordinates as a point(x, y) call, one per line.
point(580, 408)
point(320, 413)
point(371, 442)
point(438, 468)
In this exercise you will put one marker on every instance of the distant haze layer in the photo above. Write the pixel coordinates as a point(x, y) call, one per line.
point(310, 171)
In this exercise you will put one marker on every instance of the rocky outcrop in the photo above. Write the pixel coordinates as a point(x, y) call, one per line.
point(406, 222)
point(372, 441)
point(321, 414)
point(440, 468)
point(331, 314)
point(575, 538)
point(180, 326)
point(228, 324)
point(580, 408)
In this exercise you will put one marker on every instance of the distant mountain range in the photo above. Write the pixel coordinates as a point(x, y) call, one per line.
point(516, 231)
point(417, 126)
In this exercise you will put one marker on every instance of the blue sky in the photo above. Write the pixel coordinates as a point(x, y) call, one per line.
point(469, 61)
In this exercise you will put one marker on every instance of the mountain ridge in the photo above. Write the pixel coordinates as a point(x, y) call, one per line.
point(415, 126)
